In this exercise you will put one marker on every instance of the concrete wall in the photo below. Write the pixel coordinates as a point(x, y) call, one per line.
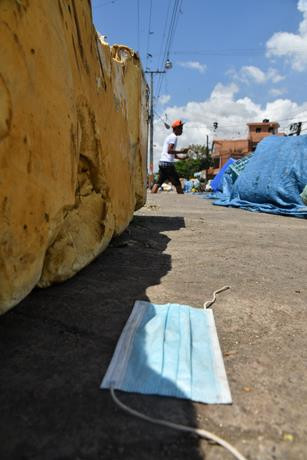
point(73, 142)
point(257, 131)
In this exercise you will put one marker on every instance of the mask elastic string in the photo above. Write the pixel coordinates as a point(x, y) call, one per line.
point(210, 302)
point(199, 432)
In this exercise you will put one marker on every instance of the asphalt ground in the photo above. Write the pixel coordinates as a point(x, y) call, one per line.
point(56, 345)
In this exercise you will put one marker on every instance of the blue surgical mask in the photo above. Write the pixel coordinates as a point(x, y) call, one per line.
point(169, 350)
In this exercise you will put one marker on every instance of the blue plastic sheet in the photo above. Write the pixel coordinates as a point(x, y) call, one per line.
point(187, 186)
point(272, 180)
point(169, 350)
point(217, 182)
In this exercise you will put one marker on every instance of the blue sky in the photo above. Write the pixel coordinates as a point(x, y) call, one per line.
point(233, 61)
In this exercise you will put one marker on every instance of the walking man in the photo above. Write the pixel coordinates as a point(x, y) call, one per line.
point(167, 170)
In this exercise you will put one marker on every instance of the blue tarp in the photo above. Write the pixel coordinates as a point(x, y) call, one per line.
point(272, 180)
point(217, 182)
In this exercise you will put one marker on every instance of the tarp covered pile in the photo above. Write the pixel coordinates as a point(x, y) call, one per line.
point(217, 182)
point(270, 180)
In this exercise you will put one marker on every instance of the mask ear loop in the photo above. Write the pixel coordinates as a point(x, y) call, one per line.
point(210, 302)
point(197, 431)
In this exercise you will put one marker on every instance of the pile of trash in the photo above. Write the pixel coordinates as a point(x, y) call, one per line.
point(191, 186)
point(165, 187)
point(273, 179)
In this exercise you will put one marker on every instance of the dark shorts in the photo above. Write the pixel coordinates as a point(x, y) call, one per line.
point(167, 171)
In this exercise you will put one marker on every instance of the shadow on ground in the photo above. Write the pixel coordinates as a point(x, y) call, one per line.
point(56, 346)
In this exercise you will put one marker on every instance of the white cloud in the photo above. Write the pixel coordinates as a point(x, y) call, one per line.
point(164, 99)
point(230, 112)
point(194, 65)
point(224, 92)
point(278, 91)
point(274, 76)
point(289, 45)
point(248, 74)
point(253, 73)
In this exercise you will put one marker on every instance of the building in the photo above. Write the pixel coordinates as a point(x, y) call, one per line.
point(223, 149)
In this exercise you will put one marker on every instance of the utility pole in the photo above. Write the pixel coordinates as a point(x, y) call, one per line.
point(151, 118)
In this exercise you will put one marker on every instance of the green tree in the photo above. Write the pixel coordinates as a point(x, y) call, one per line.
point(201, 152)
point(187, 168)
point(199, 160)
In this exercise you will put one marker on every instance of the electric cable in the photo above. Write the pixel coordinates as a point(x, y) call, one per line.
point(160, 63)
point(175, 26)
point(221, 52)
point(170, 37)
point(172, 29)
point(226, 52)
point(149, 32)
point(167, 126)
point(293, 116)
point(138, 30)
point(164, 76)
point(105, 3)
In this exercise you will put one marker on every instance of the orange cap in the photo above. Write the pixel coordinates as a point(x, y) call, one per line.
point(177, 123)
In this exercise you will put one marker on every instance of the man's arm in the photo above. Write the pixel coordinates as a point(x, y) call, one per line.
point(172, 151)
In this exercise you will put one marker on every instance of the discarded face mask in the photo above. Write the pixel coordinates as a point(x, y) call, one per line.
point(169, 350)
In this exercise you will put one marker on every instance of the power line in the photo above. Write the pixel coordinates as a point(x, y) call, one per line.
point(138, 16)
point(172, 27)
point(149, 33)
point(239, 132)
point(294, 115)
point(168, 42)
point(227, 52)
point(170, 37)
point(105, 3)
point(171, 42)
point(167, 126)
point(231, 125)
point(160, 63)
point(222, 52)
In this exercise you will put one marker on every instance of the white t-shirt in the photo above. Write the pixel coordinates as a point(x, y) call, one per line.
point(165, 156)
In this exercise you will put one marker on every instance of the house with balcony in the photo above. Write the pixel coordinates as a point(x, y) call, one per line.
point(223, 149)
